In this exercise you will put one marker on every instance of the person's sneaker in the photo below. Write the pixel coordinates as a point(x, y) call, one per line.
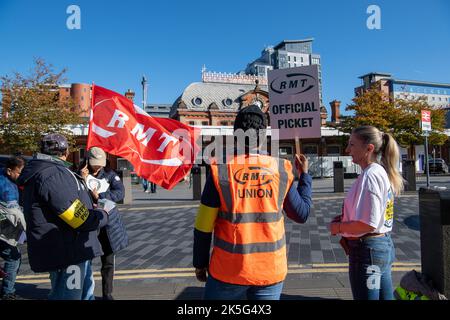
point(147, 191)
point(11, 296)
point(108, 297)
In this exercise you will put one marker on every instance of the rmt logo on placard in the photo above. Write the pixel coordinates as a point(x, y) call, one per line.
point(293, 83)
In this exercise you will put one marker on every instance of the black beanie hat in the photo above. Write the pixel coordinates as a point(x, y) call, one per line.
point(250, 117)
point(54, 143)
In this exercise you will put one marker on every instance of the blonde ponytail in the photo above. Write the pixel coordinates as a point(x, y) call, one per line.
point(390, 157)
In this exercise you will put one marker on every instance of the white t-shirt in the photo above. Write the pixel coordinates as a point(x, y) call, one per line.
point(370, 200)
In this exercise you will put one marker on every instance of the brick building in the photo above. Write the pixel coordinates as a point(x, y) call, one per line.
point(213, 103)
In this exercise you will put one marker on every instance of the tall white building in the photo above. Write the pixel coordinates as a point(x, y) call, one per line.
point(286, 54)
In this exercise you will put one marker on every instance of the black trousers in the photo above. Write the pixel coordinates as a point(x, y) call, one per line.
point(107, 270)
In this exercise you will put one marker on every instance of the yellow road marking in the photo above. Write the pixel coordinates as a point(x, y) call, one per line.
point(159, 208)
point(189, 272)
point(131, 271)
point(321, 265)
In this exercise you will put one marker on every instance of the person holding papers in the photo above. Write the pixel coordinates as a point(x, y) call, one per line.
point(106, 189)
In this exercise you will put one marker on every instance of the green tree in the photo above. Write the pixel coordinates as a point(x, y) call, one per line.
point(400, 117)
point(31, 108)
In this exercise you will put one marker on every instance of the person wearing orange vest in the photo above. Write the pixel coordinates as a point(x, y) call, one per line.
point(242, 208)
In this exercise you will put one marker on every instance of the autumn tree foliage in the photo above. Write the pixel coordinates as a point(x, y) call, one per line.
point(31, 108)
point(400, 117)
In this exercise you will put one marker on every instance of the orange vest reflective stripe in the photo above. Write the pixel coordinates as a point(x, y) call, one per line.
point(249, 237)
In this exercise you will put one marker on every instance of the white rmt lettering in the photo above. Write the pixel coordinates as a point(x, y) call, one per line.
point(373, 281)
point(74, 280)
point(138, 132)
point(74, 20)
point(167, 139)
point(374, 21)
point(120, 117)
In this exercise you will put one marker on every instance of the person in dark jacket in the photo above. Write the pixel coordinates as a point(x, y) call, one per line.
point(113, 237)
point(9, 194)
point(61, 222)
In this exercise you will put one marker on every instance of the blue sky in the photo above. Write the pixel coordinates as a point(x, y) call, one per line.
point(170, 40)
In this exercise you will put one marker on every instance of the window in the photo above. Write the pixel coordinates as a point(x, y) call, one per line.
point(123, 164)
point(227, 102)
point(204, 123)
point(223, 123)
point(197, 101)
point(310, 149)
point(333, 150)
point(191, 123)
point(301, 59)
point(82, 152)
point(285, 151)
point(295, 59)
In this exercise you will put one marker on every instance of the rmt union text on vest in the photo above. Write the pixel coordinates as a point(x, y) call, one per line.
point(255, 193)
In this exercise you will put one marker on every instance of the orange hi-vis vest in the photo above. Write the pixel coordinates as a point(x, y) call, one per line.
point(249, 237)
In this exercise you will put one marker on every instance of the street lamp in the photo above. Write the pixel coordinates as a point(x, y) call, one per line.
point(144, 91)
point(322, 142)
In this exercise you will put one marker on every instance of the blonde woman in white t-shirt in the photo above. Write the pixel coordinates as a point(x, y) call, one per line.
point(368, 214)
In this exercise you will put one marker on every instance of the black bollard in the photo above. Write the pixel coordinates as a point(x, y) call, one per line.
point(338, 176)
point(434, 210)
point(409, 174)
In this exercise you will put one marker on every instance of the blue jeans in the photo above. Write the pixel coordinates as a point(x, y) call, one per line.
point(76, 282)
point(370, 268)
point(218, 290)
point(12, 258)
point(144, 184)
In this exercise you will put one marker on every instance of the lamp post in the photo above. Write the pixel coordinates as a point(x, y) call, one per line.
point(427, 165)
point(322, 142)
point(144, 91)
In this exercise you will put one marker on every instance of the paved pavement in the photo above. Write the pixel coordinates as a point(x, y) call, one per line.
point(158, 262)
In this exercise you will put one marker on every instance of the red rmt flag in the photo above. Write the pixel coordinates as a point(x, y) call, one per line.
point(161, 150)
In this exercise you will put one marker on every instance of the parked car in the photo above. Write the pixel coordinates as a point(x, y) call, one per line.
point(438, 165)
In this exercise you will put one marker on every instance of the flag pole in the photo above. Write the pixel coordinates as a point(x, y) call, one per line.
point(92, 96)
point(91, 116)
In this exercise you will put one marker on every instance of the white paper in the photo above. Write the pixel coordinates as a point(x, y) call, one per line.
point(99, 185)
point(106, 204)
